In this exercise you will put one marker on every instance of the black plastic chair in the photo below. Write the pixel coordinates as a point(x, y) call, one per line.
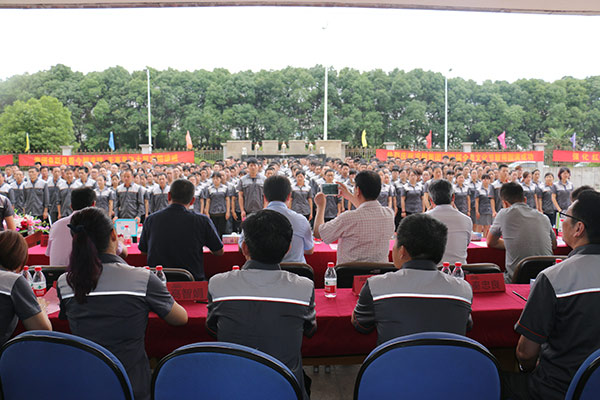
point(299, 268)
point(177, 274)
point(347, 271)
point(481, 268)
point(529, 267)
point(52, 272)
point(586, 382)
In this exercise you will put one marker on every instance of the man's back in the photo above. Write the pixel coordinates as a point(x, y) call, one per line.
point(363, 234)
point(416, 298)
point(264, 308)
point(561, 314)
point(525, 231)
point(460, 228)
point(302, 238)
point(174, 238)
point(60, 242)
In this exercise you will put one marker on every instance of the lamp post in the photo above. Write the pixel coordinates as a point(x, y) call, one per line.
point(326, 86)
point(446, 110)
point(149, 111)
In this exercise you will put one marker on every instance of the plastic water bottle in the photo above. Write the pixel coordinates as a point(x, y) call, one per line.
point(27, 275)
point(39, 282)
point(235, 268)
point(330, 281)
point(30, 230)
point(446, 268)
point(458, 271)
point(160, 274)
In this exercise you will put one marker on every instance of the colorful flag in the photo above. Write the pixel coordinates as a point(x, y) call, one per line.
point(111, 141)
point(188, 141)
point(574, 139)
point(429, 140)
point(364, 138)
point(502, 139)
point(27, 142)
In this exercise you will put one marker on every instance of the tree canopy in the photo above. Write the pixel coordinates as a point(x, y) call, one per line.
point(396, 106)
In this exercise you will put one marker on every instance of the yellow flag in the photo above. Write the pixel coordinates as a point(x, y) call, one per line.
point(26, 142)
point(364, 138)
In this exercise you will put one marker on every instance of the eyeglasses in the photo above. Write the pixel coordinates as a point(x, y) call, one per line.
point(570, 216)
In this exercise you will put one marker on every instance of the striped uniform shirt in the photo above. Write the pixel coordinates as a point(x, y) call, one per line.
point(17, 301)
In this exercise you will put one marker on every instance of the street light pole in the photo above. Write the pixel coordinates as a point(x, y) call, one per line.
point(446, 111)
point(149, 110)
point(326, 88)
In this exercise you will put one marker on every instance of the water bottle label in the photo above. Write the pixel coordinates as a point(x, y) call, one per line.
point(330, 288)
point(39, 289)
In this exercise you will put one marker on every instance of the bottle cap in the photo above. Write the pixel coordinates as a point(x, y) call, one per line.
point(458, 264)
point(446, 264)
point(147, 267)
point(330, 265)
point(159, 267)
point(235, 268)
point(558, 260)
point(26, 268)
point(38, 268)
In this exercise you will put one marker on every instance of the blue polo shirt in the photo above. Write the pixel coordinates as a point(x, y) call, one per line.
point(174, 238)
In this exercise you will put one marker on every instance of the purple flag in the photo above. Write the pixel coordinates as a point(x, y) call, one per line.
point(573, 139)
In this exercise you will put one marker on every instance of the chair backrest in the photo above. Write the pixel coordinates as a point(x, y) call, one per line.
point(63, 366)
point(177, 274)
point(301, 269)
point(585, 385)
point(218, 370)
point(481, 268)
point(52, 272)
point(529, 267)
point(347, 271)
point(432, 365)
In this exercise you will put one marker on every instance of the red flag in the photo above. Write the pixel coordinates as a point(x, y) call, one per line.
point(502, 139)
point(188, 141)
point(429, 139)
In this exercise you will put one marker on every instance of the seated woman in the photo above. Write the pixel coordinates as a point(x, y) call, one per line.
point(107, 301)
point(17, 300)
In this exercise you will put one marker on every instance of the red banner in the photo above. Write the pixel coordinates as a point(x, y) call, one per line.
point(576, 156)
point(490, 156)
point(52, 160)
point(6, 159)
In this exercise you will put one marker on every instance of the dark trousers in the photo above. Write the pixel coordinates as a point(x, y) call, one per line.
point(220, 223)
point(235, 223)
point(398, 218)
point(552, 218)
point(515, 385)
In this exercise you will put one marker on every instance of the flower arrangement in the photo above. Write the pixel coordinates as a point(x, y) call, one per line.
point(27, 225)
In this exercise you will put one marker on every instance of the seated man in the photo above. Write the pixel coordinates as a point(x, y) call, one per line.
point(261, 306)
point(417, 297)
point(175, 237)
point(558, 327)
point(277, 192)
point(363, 234)
point(525, 232)
point(460, 227)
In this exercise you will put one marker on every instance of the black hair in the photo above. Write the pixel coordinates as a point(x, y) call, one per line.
point(563, 170)
point(548, 174)
point(182, 191)
point(575, 193)
point(82, 198)
point(423, 237)
point(485, 176)
point(502, 166)
point(369, 183)
point(587, 209)
point(252, 161)
point(91, 230)
point(441, 191)
point(268, 235)
point(277, 188)
point(512, 192)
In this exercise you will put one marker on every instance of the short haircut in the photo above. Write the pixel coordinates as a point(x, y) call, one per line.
point(268, 235)
point(423, 237)
point(369, 183)
point(182, 191)
point(562, 170)
point(512, 193)
point(252, 161)
point(34, 168)
point(575, 193)
point(82, 198)
point(502, 166)
point(587, 209)
point(277, 188)
point(13, 250)
point(441, 191)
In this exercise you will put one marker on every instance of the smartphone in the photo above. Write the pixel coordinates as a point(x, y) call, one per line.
point(330, 189)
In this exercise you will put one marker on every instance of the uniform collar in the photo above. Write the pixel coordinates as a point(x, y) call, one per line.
point(369, 203)
point(253, 264)
point(423, 265)
point(586, 249)
point(276, 204)
point(106, 258)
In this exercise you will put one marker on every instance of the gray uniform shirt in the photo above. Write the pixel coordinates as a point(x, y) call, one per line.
point(413, 195)
point(17, 196)
point(300, 196)
point(6, 210)
point(17, 301)
point(252, 189)
point(159, 198)
point(546, 193)
point(54, 194)
point(526, 233)
point(65, 189)
point(460, 198)
point(103, 197)
point(563, 194)
point(530, 192)
point(217, 196)
point(129, 201)
point(36, 197)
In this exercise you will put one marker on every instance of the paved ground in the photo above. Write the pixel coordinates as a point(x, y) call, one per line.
point(338, 384)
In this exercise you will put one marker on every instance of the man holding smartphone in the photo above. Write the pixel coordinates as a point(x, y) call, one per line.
point(333, 206)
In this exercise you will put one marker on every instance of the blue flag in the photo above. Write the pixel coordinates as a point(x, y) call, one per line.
point(111, 142)
point(573, 139)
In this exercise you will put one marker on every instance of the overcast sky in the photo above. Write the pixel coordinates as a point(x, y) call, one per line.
point(477, 46)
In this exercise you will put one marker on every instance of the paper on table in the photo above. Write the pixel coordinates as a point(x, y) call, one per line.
point(333, 246)
point(53, 304)
point(482, 243)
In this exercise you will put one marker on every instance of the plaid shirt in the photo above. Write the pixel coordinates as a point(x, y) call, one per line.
point(363, 234)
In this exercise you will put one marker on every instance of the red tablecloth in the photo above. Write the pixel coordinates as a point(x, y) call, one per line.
point(477, 252)
point(494, 316)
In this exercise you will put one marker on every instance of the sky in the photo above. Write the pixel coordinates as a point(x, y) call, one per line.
point(478, 46)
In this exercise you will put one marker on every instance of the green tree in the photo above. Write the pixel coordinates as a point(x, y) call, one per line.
point(46, 120)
